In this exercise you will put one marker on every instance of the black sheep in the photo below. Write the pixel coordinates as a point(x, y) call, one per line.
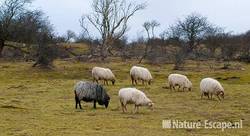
point(90, 92)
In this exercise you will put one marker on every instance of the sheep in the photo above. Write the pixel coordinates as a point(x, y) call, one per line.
point(105, 74)
point(140, 73)
point(88, 92)
point(179, 80)
point(210, 86)
point(134, 96)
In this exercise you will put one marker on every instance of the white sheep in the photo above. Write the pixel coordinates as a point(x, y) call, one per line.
point(210, 86)
point(140, 73)
point(179, 80)
point(104, 74)
point(134, 96)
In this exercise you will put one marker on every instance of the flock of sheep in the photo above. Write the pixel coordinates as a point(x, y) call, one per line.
point(93, 92)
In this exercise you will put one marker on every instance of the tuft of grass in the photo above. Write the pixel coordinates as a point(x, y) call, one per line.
point(41, 102)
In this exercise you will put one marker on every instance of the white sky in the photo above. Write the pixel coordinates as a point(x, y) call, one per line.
point(230, 14)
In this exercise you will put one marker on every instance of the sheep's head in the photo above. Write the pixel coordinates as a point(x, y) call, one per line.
point(190, 89)
point(106, 101)
point(106, 104)
point(151, 105)
point(103, 98)
point(189, 85)
point(222, 94)
point(150, 81)
point(113, 81)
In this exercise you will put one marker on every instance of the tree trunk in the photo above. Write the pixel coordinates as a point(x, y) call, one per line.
point(102, 53)
point(144, 55)
point(1, 48)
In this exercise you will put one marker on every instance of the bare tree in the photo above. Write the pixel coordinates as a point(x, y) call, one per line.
point(213, 40)
point(110, 18)
point(70, 35)
point(34, 29)
point(154, 24)
point(245, 49)
point(47, 50)
point(192, 29)
point(149, 26)
point(179, 51)
point(9, 10)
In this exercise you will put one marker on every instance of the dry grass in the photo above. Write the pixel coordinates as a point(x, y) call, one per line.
point(41, 102)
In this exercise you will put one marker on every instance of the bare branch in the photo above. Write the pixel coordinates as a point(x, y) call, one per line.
point(110, 19)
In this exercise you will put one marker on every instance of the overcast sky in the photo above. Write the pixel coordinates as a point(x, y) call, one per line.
point(230, 14)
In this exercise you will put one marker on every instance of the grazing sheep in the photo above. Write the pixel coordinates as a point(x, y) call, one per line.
point(133, 96)
point(140, 73)
point(179, 80)
point(88, 92)
point(105, 74)
point(210, 87)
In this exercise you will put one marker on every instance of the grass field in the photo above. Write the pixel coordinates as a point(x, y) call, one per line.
point(36, 102)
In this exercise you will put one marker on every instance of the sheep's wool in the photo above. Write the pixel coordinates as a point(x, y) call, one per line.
point(178, 79)
point(99, 73)
point(140, 73)
point(133, 96)
point(209, 85)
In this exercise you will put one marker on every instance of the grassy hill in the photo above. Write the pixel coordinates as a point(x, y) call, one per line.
point(41, 102)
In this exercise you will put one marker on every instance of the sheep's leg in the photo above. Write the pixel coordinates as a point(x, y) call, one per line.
point(125, 107)
point(76, 99)
point(208, 95)
point(136, 82)
point(202, 95)
point(135, 110)
point(142, 82)
point(211, 96)
point(179, 87)
point(94, 104)
point(174, 87)
point(80, 104)
point(123, 110)
point(97, 81)
point(132, 80)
